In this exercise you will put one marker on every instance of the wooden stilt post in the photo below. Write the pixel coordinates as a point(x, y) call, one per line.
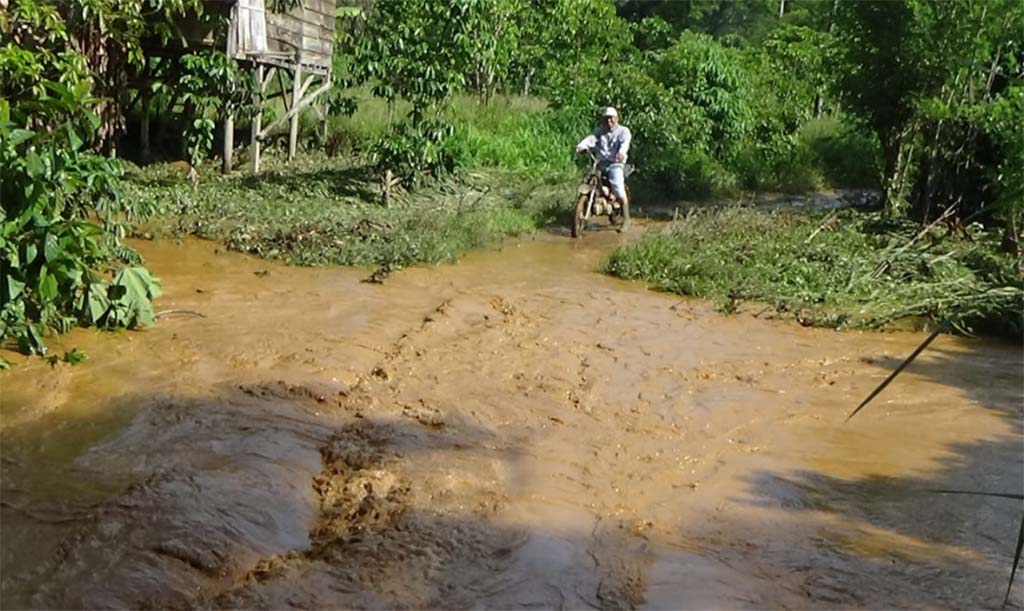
point(325, 112)
point(325, 118)
point(229, 143)
point(257, 120)
point(293, 131)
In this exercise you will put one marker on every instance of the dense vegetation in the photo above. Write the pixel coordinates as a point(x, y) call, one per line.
point(920, 98)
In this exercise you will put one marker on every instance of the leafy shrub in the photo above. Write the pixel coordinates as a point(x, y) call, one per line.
point(844, 154)
point(61, 259)
point(210, 87)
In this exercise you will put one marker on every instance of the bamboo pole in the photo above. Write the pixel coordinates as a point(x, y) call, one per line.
point(293, 130)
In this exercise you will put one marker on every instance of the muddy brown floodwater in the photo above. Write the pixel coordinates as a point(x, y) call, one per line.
point(516, 430)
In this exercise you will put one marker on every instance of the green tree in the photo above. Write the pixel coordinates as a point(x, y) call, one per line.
point(419, 51)
point(61, 259)
point(879, 78)
point(924, 75)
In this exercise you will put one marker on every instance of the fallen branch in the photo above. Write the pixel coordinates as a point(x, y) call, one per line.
point(828, 221)
point(169, 312)
point(887, 263)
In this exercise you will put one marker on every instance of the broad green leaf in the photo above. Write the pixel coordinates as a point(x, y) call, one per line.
point(73, 138)
point(34, 164)
point(139, 288)
point(17, 136)
point(51, 247)
point(75, 356)
point(14, 287)
point(97, 303)
point(35, 340)
point(47, 286)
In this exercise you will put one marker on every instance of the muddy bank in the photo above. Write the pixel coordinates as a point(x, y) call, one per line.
point(512, 430)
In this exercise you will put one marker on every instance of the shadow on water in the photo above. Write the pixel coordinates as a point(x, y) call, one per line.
point(975, 373)
point(273, 496)
point(957, 546)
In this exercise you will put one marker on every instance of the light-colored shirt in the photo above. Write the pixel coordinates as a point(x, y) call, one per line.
point(609, 142)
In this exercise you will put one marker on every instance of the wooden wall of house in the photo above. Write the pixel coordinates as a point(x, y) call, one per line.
point(309, 28)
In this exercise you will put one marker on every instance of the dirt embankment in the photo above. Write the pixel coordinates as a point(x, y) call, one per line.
point(515, 430)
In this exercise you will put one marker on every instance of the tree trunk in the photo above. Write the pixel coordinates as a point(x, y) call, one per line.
point(819, 99)
point(106, 61)
point(293, 128)
point(895, 157)
point(386, 183)
point(144, 140)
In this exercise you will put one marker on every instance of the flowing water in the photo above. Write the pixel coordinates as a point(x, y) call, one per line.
point(515, 430)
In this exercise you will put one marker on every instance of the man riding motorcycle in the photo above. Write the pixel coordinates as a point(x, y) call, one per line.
point(612, 143)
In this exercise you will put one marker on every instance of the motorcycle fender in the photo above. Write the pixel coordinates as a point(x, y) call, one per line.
point(585, 189)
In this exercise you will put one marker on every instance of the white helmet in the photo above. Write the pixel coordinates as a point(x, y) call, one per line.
point(610, 112)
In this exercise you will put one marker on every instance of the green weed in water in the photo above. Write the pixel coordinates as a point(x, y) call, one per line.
point(318, 211)
point(856, 272)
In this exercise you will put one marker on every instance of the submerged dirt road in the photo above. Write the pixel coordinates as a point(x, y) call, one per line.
point(513, 431)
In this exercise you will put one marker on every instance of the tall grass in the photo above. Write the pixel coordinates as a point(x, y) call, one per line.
point(518, 134)
point(530, 141)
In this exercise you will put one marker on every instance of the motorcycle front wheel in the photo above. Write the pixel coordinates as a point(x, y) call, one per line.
point(577, 216)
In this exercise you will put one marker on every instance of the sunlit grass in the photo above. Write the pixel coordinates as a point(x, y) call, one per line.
point(851, 274)
point(318, 210)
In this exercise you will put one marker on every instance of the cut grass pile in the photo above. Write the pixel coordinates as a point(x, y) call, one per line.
point(847, 270)
point(318, 210)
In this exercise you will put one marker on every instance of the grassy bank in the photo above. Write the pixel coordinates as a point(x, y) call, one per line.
point(319, 210)
point(847, 270)
point(516, 174)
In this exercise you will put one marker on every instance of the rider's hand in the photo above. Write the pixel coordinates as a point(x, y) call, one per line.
point(620, 157)
point(579, 149)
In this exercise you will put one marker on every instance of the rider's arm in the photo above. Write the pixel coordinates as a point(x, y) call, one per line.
point(587, 143)
point(627, 138)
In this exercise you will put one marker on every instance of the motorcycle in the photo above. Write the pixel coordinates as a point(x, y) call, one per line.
point(594, 197)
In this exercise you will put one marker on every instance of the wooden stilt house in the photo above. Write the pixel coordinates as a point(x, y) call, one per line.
point(287, 41)
point(295, 45)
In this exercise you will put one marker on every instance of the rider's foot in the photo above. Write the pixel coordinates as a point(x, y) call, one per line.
point(624, 227)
